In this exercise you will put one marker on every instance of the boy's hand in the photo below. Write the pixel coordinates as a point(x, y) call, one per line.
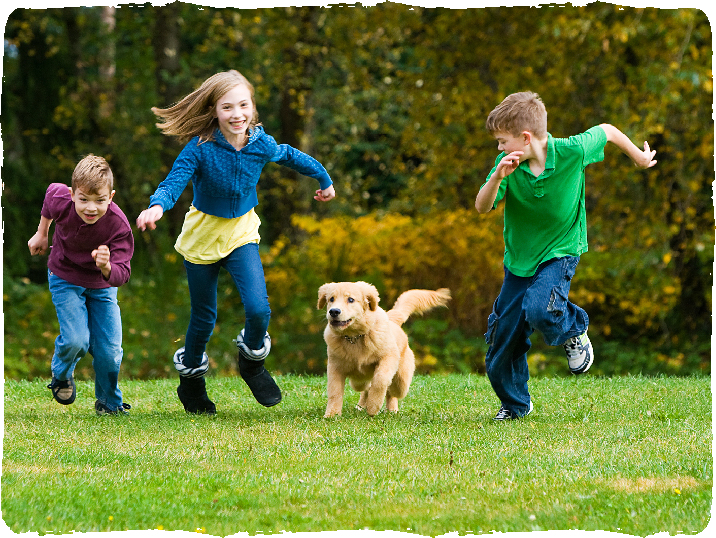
point(148, 217)
point(487, 195)
point(508, 164)
point(645, 159)
point(100, 255)
point(642, 159)
point(325, 194)
point(37, 244)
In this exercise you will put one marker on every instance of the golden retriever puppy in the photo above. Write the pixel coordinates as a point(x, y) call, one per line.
point(367, 345)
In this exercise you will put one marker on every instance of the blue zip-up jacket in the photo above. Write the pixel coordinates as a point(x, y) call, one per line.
point(224, 179)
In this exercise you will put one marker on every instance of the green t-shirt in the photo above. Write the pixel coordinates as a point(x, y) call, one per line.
point(545, 216)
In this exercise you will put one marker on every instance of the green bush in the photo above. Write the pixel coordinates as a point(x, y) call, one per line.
point(30, 329)
point(628, 299)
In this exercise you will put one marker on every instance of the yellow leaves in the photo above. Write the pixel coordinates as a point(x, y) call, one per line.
point(674, 362)
point(427, 360)
point(586, 297)
point(695, 187)
point(397, 252)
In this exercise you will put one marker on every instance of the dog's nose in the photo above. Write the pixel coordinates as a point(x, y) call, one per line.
point(334, 312)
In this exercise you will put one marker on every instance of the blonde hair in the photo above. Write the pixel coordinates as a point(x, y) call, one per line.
point(519, 112)
point(92, 174)
point(195, 114)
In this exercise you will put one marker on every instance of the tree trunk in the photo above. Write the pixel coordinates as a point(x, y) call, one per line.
point(107, 67)
point(166, 45)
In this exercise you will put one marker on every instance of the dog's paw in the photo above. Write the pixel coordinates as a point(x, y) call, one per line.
point(373, 410)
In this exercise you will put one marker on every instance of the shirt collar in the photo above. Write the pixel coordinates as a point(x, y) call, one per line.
point(549, 163)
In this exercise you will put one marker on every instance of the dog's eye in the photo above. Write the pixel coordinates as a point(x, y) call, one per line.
point(351, 300)
point(330, 300)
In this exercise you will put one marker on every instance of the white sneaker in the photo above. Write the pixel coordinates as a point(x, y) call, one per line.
point(580, 353)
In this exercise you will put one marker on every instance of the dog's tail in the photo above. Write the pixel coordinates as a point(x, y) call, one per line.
point(417, 301)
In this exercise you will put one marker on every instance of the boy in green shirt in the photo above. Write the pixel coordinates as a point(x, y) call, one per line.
point(541, 179)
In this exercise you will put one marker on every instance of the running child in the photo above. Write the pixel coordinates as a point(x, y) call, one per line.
point(227, 149)
point(92, 246)
point(542, 182)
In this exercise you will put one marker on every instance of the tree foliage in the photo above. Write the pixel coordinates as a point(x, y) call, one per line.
point(392, 99)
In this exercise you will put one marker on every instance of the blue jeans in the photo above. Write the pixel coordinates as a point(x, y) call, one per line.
point(526, 304)
point(244, 266)
point(90, 321)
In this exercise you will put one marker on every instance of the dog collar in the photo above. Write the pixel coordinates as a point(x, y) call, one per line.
point(354, 339)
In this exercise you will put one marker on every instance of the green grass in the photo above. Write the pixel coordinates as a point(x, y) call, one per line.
point(629, 454)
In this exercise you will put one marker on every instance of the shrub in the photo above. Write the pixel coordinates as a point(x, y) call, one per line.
point(629, 297)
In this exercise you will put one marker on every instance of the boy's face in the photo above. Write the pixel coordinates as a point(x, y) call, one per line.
point(91, 207)
point(509, 143)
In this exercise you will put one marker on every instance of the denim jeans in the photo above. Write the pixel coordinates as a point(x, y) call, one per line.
point(244, 266)
point(526, 304)
point(90, 321)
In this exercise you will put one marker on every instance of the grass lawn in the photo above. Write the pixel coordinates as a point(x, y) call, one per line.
point(629, 454)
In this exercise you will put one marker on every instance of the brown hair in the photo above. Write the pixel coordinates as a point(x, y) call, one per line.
point(195, 114)
point(519, 112)
point(92, 174)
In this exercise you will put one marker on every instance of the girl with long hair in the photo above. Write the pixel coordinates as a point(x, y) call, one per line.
point(226, 150)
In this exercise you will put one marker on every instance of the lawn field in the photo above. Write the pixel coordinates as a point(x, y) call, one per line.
point(630, 454)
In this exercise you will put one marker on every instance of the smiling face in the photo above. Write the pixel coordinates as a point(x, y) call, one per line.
point(235, 110)
point(91, 206)
point(346, 304)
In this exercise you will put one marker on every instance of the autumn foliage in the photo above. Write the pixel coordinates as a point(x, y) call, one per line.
point(392, 99)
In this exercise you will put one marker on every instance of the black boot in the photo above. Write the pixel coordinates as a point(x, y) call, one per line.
point(262, 385)
point(251, 367)
point(193, 396)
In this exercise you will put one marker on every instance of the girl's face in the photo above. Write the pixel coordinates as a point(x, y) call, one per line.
point(235, 110)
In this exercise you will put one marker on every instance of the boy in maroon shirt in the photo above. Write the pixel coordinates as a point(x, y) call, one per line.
point(91, 251)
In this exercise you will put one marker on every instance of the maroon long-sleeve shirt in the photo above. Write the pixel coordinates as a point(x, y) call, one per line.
point(73, 241)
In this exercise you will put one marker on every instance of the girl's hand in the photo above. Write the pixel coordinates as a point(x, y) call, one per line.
point(148, 217)
point(100, 255)
point(645, 159)
point(37, 244)
point(325, 194)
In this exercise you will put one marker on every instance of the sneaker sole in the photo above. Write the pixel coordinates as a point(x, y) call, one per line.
point(65, 401)
point(584, 369)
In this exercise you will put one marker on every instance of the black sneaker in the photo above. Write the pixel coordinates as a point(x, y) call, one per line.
point(505, 414)
point(63, 391)
point(101, 409)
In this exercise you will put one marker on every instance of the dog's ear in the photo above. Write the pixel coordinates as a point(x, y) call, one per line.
point(371, 295)
point(322, 293)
